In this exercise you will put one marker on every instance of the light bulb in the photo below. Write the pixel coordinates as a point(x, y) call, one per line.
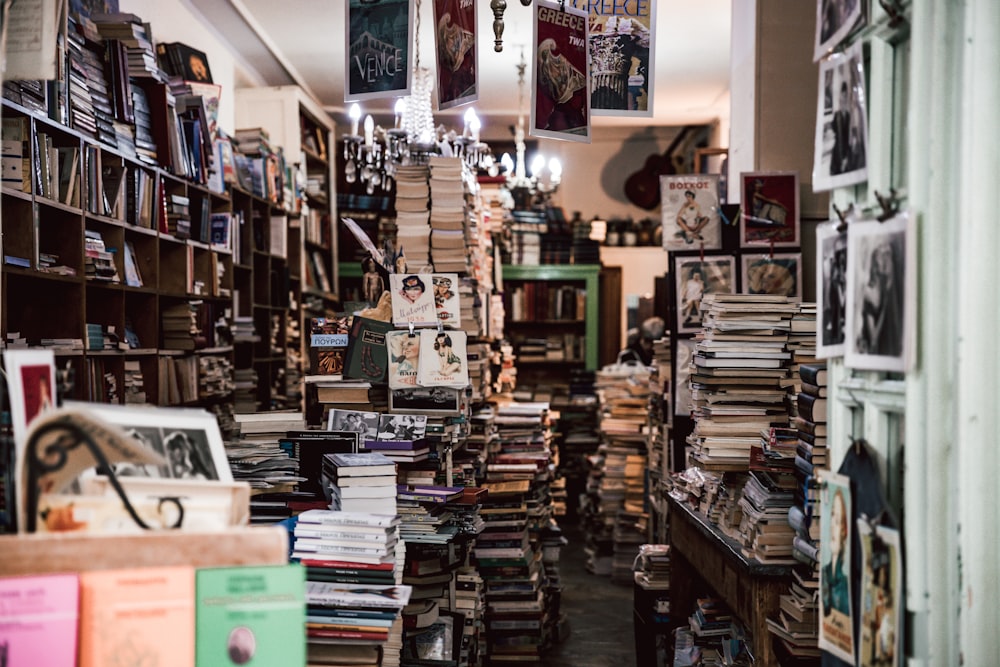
point(537, 164)
point(475, 125)
point(507, 162)
point(555, 166)
point(355, 114)
point(400, 109)
point(369, 130)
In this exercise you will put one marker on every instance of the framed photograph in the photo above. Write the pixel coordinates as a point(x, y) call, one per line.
point(457, 62)
point(430, 401)
point(354, 421)
point(377, 56)
point(690, 209)
point(835, 19)
point(881, 299)
point(779, 274)
point(560, 93)
point(841, 147)
point(836, 627)
point(402, 427)
point(188, 438)
point(831, 289)
point(770, 209)
point(882, 603)
point(696, 277)
point(682, 372)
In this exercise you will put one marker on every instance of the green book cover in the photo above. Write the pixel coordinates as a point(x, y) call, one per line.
point(251, 616)
point(367, 356)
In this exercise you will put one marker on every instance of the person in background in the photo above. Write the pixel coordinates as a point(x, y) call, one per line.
point(640, 345)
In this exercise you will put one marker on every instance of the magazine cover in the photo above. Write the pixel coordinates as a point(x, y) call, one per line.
point(770, 209)
point(443, 359)
point(621, 57)
point(841, 148)
point(836, 627)
point(882, 596)
point(328, 339)
point(446, 299)
point(404, 358)
point(377, 52)
point(457, 65)
point(412, 299)
point(690, 207)
point(560, 106)
point(697, 277)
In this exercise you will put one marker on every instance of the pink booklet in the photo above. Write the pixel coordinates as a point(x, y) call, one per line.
point(38, 620)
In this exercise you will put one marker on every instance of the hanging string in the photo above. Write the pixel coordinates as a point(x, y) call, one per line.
point(702, 252)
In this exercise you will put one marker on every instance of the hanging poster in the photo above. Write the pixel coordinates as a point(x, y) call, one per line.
point(412, 299)
point(690, 212)
point(770, 209)
point(882, 602)
point(697, 277)
point(560, 106)
point(836, 625)
point(831, 289)
point(457, 63)
point(377, 49)
point(835, 19)
point(443, 359)
point(841, 146)
point(621, 57)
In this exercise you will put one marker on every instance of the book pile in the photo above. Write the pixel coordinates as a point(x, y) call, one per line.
point(245, 390)
point(802, 338)
point(740, 378)
point(90, 110)
point(135, 392)
point(412, 215)
point(797, 623)
point(179, 323)
point(99, 262)
point(527, 227)
point(658, 450)
point(215, 376)
point(257, 458)
point(716, 632)
point(360, 482)
point(764, 532)
point(448, 214)
point(653, 567)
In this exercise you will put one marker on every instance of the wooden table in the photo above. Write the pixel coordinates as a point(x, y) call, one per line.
point(700, 552)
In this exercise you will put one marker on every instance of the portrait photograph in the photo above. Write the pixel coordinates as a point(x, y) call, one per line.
point(882, 603)
point(835, 19)
point(354, 421)
point(770, 209)
point(840, 154)
point(779, 274)
point(682, 372)
point(836, 627)
point(560, 94)
point(412, 299)
point(690, 212)
point(880, 296)
point(831, 290)
point(401, 427)
point(696, 277)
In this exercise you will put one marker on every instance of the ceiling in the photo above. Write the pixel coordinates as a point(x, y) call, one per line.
point(302, 42)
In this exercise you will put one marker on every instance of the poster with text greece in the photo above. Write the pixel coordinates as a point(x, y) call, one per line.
point(560, 106)
point(457, 64)
point(621, 56)
point(377, 50)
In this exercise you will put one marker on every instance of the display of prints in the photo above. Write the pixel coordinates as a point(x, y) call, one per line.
point(402, 427)
point(354, 421)
point(621, 57)
point(882, 601)
point(682, 372)
point(560, 106)
point(841, 148)
point(432, 401)
point(457, 63)
point(412, 299)
point(446, 299)
point(443, 359)
point(835, 19)
point(779, 274)
point(881, 299)
point(404, 358)
point(770, 209)
point(690, 208)
point(696, 277)
point(836, 625)
point(377, 50)
point(831, 289)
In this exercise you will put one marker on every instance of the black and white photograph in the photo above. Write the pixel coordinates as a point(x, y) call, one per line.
point(841, 150)
point(690, 212)
point(402, 427)
point(835, 19)
point(354, 421)
point(880, 296)
point(697, 277)
point(431, 401)
point(682, 372)
point(831, 289)
point(779, 274)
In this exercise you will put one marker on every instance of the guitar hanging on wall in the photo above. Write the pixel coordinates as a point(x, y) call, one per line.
point(643, 187)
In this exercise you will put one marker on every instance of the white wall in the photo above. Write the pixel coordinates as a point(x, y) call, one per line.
point(640, 268)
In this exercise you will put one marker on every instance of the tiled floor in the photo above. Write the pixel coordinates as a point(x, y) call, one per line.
point(600, 630)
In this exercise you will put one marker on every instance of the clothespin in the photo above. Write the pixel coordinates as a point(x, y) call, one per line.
point(843, 215)
point(894, 11)
point(890, 205)
point(440, 326)
point(412, 332)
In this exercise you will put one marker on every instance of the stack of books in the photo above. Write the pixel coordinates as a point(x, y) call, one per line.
point(360, 482)
point(412, 215)
point(448, 215)
point(257, 458)
point(764, 532)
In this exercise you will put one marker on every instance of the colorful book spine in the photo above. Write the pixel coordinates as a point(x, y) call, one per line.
point(38, 620)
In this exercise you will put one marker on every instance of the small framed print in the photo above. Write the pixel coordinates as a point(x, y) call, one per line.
point(835, 19)
point(682, 373)
point(881, 299)
point(354, 421)
point(841, 144)
point(690, 212)
point(431, 401)
point(770, 209)
point(696, 277)
point(779, 274)
point(831, 289)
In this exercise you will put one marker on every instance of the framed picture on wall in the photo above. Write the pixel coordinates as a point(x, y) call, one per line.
point(690, 212)
point(695, 277)
point(841, 144)
point(881, 299)
point(770, 209)
point(779, 274)
point(831, 289)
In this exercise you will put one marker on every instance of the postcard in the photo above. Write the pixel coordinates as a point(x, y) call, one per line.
point(690, 207)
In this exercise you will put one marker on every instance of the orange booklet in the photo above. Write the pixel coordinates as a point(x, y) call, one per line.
point(138, 617)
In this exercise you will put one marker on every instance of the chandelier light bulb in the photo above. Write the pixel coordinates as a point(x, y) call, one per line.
point(507, 162)
point(355, 115)
point(537, 164)
point(400, 110)
point(555, 167)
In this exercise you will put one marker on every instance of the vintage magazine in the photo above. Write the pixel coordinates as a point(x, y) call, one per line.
point(836, 626)
point(457, 62)
point(560, 107)
point(412, 299)
point(690, 208)
point(443, 359)
point(404, 358)
point(376, 55)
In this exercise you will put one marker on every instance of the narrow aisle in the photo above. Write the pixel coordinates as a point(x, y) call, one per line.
point(600, 629)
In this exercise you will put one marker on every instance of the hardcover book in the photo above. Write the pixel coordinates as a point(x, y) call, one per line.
point(328, 339)
point(367, 357)
point(357, 595)
point(146, 613)
point(38, 620)
point(250, 615)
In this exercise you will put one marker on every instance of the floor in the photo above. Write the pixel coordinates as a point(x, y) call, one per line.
point(599, 627)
